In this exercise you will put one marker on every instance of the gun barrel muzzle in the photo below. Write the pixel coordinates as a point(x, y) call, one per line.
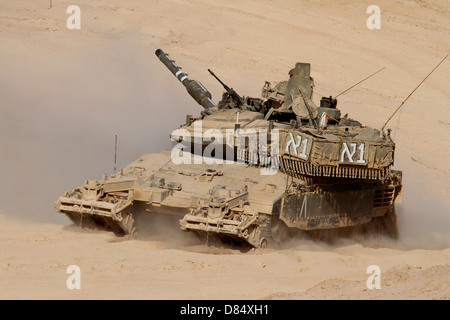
point(194, 88)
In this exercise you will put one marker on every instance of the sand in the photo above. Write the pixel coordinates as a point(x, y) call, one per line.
point(65, 93)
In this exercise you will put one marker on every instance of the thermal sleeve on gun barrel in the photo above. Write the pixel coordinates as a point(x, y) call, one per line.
point(193, 87)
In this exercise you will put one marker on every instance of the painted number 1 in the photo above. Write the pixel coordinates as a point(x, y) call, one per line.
point(349, 154)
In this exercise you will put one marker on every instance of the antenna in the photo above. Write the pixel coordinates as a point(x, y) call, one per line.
point(359, 82)
point(384, 125)
point(115, 152)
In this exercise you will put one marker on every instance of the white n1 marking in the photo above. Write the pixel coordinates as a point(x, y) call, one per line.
point(303, 141)
point(292, 141)
point(346, 151)
point(361, 154)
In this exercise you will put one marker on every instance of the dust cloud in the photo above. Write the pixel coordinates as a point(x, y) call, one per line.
point(423, 218)
point(422, 221)
point(59, 117)
point(165, 228)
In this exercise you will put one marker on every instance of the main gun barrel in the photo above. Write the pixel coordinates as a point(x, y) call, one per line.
point(193, 87)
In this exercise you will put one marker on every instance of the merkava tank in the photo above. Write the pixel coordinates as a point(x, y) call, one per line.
point(250, 170)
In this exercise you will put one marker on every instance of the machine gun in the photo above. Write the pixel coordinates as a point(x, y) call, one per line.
point(237, 100)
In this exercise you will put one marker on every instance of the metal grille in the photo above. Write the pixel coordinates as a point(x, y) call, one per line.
point(300, 168)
